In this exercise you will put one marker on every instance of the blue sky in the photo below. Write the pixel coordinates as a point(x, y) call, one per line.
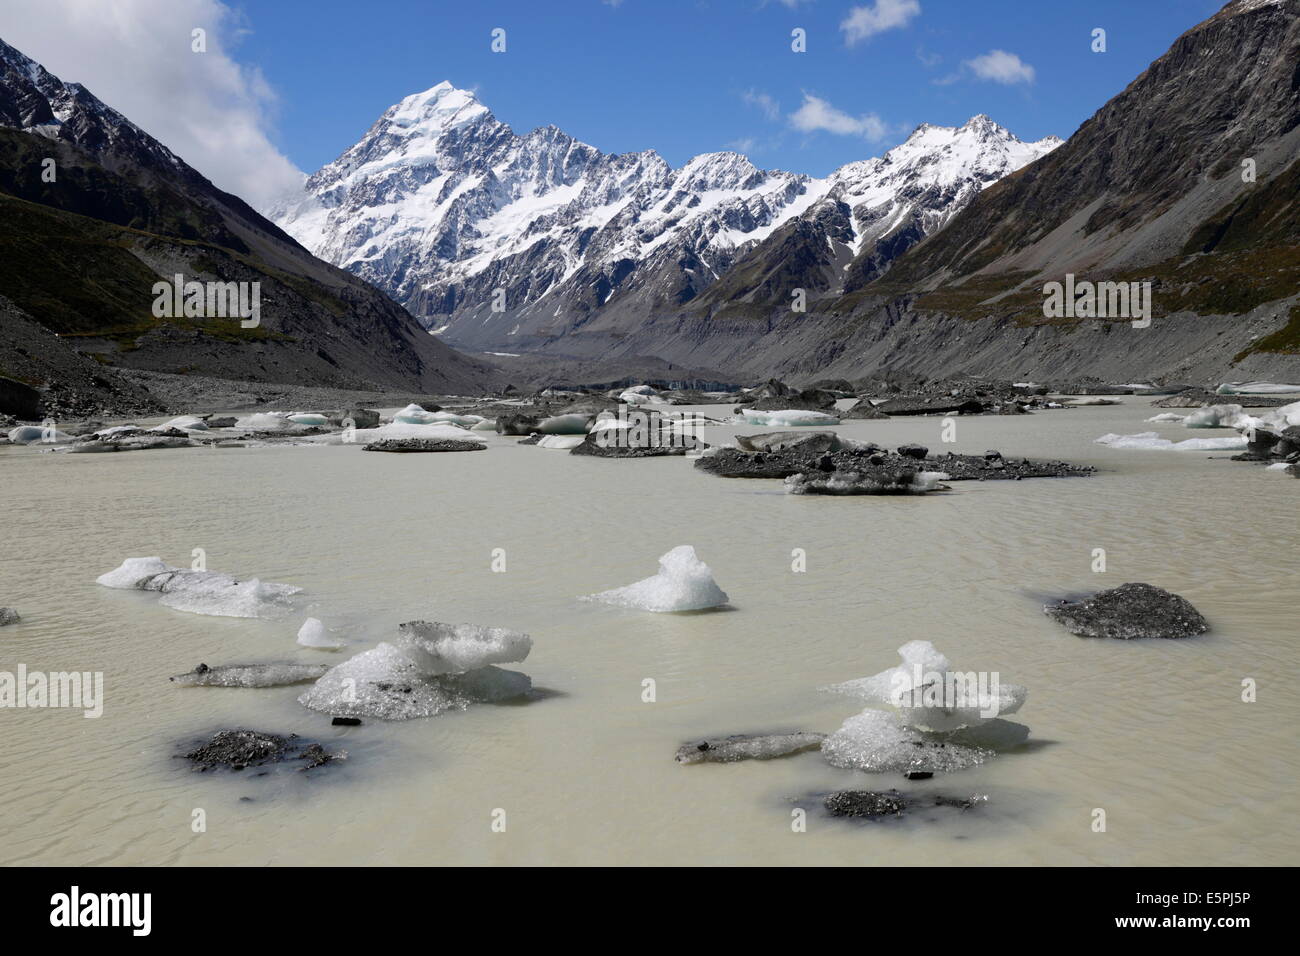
point(690, 76)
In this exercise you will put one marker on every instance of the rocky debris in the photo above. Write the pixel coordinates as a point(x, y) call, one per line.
point(360, 418)
point(806, 442)
point(748, 747)
point(1130, 611)
point(275, 674)
point(240, 749)
point(1092, 386)
point(518, 424)
point(1293, 471)
point(136, 440)
point(1265, 443)
point(607, 444)
point(406, 445)
point(229, 421)
point(849, 457)
point(346, 722)
point(863, 410)
point(919, 452)
point(8, 616)
point(532, 439)
point(867, 481)
point(927, 405)
point(1196, 397)
point(880, 804)
point(842, 386)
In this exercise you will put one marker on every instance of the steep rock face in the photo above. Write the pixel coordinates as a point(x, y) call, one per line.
point(503, 241)
point(79, 257)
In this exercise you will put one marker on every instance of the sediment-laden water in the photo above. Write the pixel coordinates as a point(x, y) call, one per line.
point(1153, 732)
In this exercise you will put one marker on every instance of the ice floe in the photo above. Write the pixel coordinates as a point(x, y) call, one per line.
point(429, 669)
point(200, 592)
point(28, 434)
point(275, 674)
point(787, 418)
point(683, 583)
point(1151, 441)
point(561, 442)
point(1256, 388)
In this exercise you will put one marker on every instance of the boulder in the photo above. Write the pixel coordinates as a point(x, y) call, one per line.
point(1130, 611)
point(518, 424)
point(8, 616)
point(240, 749)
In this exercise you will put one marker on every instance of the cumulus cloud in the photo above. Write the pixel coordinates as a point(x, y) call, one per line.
point(866, 21)
point(999, 66)
point(761, 101)
point(136, 56)
point(817, 114)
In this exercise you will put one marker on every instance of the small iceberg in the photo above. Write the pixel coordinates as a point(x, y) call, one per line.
point(200, 592)
point(1255, 388)
point(1218, 416)
point(415, 415)
point(185, 423)
point(429, 669)
point(30, 434)
point(878, 481)
point(565, 425)
point(275, 674)
point(313, 634)
point(1151, 441)
point(684, 583)
point(944, 721)
point(561, 442)
point(787, 418)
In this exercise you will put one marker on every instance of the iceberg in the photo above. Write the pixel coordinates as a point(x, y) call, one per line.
point(1280, 418)
point(431, 668)
point(200, 592)
point(1218, 416)
point(787, 418)
point(1151, 441)
point(562, 442)
point(1255, 388)
point(313, 634)
point(29, 434)
point(944, 720)
point(415, 415)
point(276, 674)
point(309, 418)
point(185, 423)
point(683, 583)
point(573, 424)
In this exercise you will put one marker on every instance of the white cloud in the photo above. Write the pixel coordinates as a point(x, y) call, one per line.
point(817, 114)
point(135, 55)
point(1001, 67)
point(770, 107)
point(865, 22)
point(745, 144)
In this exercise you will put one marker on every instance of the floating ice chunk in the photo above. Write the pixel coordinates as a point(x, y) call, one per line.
point(1151, 441)
point(879, 481)
point(1280, 418)
point(565, 425)
point(451, 418)
point(562, 442)
point(444, 431)
point(484, 425)
point(457, 648)
point(1217, 416)
point(748, 747)
point(1093, 400)
point(276, 674)
point(641, 395)
point(877, 742)
point(134, 573)
point(200, 592)
point(401, 681)
point(313, 634)
point(415, 415)
point(684, 583)
point(185, 423)
point(1166, 417)
point(1255, 388)
point(788, 418)
point(1278, 466)
point(270, 422)
point(309, 418)
point(930, 695)
point(28, 434)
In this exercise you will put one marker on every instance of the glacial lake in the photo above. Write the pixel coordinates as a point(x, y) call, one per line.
point(1155, 733)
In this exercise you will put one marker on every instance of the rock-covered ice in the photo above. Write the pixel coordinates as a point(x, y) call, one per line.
point(430, 668)
point(683, 583)
point(200, 592)
point(274, 674)
point(572, 424)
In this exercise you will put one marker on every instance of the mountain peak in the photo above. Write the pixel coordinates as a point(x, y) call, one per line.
point(442, 105)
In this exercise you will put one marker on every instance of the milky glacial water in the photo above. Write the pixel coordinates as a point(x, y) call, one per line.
point(1155, 733)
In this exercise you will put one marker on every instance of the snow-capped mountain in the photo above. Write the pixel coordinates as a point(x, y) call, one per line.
point(496, 240)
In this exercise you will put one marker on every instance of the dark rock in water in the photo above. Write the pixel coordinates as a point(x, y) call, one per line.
point(401, 445)
point(241, 749)
point(520, 424)
point(530, 440)
point(610, 444)
point(1293, 471)
point(863, 410)
point(919, 774)
point(346, 722)
point(430, 406)
point(229, 421)
point(1012, 408)
point(876, 805)
point(748, 747)
point(275, 674)
point(936, 405)
point(8, 616)
point(1130, 611)
point(798, 459)
point(361, 417)
point(887, 480)
point(919, 452)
